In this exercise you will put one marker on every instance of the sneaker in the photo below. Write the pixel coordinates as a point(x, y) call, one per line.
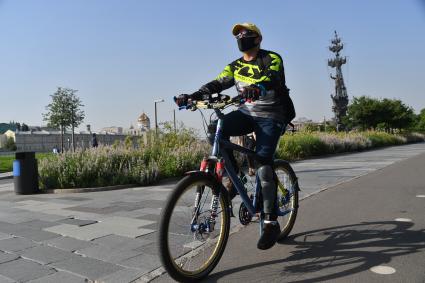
point(271, 231)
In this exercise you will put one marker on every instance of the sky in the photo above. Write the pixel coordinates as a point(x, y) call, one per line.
point(122, 55)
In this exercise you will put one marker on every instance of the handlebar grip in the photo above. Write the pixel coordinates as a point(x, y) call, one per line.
point(185, 107)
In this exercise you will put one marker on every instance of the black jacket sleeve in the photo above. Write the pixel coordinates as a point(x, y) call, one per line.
point(223, 81)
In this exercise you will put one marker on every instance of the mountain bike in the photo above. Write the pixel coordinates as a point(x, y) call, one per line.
point(195, 222)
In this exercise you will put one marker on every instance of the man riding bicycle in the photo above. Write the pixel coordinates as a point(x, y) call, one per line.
point(260, 80)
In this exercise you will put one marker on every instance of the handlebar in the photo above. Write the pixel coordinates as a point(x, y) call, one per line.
point(218, 102)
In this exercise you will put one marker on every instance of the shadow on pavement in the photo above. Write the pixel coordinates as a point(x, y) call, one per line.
point(336, 252)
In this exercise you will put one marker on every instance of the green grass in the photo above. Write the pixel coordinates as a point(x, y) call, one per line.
point(6, 161)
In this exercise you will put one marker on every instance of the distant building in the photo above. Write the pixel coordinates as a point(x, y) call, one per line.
point(45, 141)
point(4, 127)
point(143, 125)
point(301, 122)
point(112, 130)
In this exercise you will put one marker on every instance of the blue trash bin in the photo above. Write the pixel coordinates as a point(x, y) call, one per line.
point(25, 173)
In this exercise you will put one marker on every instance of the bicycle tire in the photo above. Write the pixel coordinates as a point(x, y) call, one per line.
point(294, 198)
point(169, 263)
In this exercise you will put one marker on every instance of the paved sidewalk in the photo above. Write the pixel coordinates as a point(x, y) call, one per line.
point(111, 236)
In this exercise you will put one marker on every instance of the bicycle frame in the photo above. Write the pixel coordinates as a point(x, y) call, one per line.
point(219, 150)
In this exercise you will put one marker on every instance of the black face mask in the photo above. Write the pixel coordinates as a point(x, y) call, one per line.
point(246, 43)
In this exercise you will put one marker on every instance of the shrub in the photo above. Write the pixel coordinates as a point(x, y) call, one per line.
point(10, 144)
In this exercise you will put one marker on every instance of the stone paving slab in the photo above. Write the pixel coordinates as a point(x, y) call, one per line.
point(77, 222)
point(23, 270)
point(121, 242)
point(68, 243)
point(108, 254)
point(122, 276)
point(5, 236)
point(46, 254)
point(74, 198)
point(6, 280)
point(5, 257)
point(16, 244)
point(144, 262)
point(36, 235)
point(60, 277)
point(86, 233)
point(39, 224)
point(87, 267)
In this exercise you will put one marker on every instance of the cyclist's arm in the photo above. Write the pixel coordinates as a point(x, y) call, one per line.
point(274, 74)
point(223, 81)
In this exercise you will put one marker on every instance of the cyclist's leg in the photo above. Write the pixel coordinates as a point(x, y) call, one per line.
point(235, 123)
point(268, 132)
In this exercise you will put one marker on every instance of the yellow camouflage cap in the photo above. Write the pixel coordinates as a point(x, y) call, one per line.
point(248, 26)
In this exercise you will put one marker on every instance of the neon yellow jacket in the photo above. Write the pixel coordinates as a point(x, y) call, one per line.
point(266, 70)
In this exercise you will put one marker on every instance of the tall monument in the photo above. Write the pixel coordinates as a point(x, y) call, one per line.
point(340, 98)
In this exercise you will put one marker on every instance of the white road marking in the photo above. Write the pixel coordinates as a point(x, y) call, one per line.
point(420, 196)
point(381, 269)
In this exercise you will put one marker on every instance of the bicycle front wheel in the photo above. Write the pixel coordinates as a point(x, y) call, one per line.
point(194, 228)
point(287, 196)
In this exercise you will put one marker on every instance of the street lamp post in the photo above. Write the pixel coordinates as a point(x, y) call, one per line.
point(156, 117)
point(174, 118)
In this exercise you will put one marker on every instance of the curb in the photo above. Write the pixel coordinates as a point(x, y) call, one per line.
point(6, 175)
point(87, 190)
point(108, 188)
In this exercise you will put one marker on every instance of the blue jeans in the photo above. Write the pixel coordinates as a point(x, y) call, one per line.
point(267, 131)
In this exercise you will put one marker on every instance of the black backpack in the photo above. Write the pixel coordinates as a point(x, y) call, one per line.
point(288, 105)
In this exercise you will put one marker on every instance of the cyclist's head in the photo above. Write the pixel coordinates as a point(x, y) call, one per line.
point(248, 36)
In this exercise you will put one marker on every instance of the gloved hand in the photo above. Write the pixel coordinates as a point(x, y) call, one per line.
point(252, 92)
point(181, 100)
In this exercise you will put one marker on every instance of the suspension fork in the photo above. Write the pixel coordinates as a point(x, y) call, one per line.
point(219, 170)
point(207, 165)
point(199, 190)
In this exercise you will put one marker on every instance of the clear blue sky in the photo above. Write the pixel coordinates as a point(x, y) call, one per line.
point(121, 55)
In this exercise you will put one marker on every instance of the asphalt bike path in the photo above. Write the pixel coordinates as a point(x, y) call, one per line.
point(371, 229)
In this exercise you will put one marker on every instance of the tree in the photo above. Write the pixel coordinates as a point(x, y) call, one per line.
point(420, 122)
point(10, 144)
point(396, 114)
point(363, 112)
point(24, 127)
point(371, 113)
point(64, 111)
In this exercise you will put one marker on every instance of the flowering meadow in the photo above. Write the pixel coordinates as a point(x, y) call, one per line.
point(168, 155)
point(171, 154)
point(305, 144)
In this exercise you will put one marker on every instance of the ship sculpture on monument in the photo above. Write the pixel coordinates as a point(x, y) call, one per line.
point(340, 98)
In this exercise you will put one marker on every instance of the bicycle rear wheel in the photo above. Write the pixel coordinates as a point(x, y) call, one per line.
point(287, 196)
point(190, 243)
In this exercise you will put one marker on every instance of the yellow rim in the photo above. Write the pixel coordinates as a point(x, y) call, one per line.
point(213, 255)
